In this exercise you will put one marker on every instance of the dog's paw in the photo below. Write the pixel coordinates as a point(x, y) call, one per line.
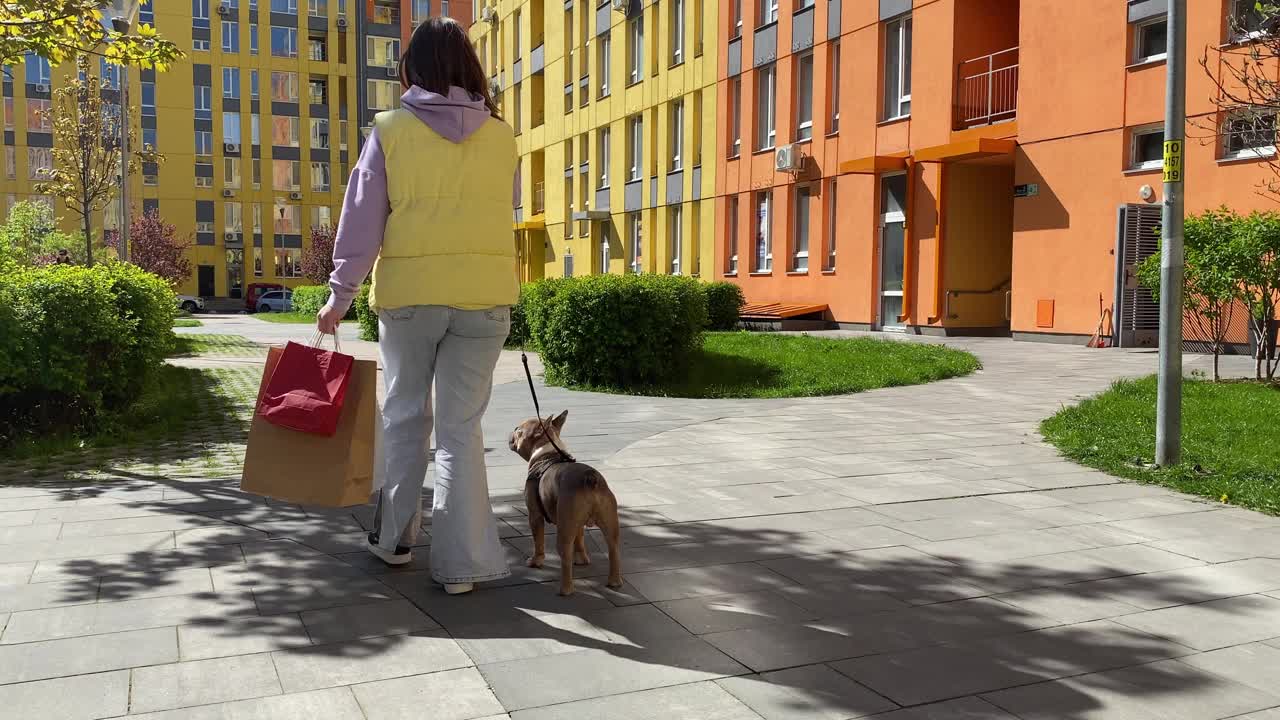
point(566, 592)
point(614, 583)
point(582, 560)
point(534, 562)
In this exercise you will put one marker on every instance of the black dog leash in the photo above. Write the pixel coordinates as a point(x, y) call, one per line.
point(564, 456)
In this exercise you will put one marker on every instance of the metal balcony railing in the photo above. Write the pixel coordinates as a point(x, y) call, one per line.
point(385, 15)
point(987, 89)
point(539, 197)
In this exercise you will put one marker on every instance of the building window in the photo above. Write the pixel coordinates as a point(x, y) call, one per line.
point(231, 83)
point(675, 230)
point(1247, 21)
point(288, 7)
point(319, 134)
point(677, 32)
point(677, 135)
point(11, 162)
point(253, 39)
point(148, 99)
point(284, 131)
point(286, 219)
point(735, 116)
point(382, 94)
point(381, 52)
point(39, 119)
point(342, 134)
point(230, 36)
point(39, 163)
point(204, 142)
point(1147, 148)
point(635, 147)
point(203, 102)
point(317, 48)
point(255, 129)
point(257, 219)
point(800, 248)
point(421, 10)
point(897, 68)
point(1249, 135)
point(231, 128)
point(37, 70)
point(832, 218)
point(635, 49)
point(321, 216)
point(146, 13)
point(286, 175)
point(763, 259)
point(766, 107)
point(232, 218)
point(318, 91)
point(257, 174)
point(603, 153)
point(284, 87)
point(804, 97)
point(253, 84)
point(1150, 39)
point(515, 34)
point(604, 47)
point(257, 261)
point(636, 236)
point(731, 238)
point(284, 42)
point(231, 173)
point(735, 24)
point(604, 250)
point(288, 262)
point(320, 177)
point(204, 174)
point(834, 75)
point(698, 24)
point(768, 12)
point(200, 14)
point(386, 12)
point(200, 45)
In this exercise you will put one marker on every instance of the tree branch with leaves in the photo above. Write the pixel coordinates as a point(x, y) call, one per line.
point(58, 30)
point(87, 168)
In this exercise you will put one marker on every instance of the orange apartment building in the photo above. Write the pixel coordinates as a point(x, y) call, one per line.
point(963, 166)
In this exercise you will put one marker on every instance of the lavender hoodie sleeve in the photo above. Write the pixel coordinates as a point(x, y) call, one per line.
point(364, 218)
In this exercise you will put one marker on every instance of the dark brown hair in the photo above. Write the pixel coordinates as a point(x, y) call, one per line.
point(440, 56)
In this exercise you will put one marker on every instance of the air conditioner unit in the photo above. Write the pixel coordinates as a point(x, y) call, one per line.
point(228, 237)
point(224, 9)
point(228, 193)
point(620, 5)
point(788, 158)
point(495, 87)
point(231, 147)
point(488, 14)
point(393, 72)
point(342, 22)
point(295, 196)
point(42, 88)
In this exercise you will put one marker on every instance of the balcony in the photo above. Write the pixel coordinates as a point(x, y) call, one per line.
point(987, 90)
point(384, 15)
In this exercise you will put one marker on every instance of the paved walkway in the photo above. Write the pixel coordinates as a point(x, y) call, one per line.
point(916, 552)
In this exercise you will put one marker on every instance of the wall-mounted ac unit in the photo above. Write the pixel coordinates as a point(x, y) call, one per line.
point(342, 22)
point(619, 5)
point(393, 72)
point(42, 88)
point(224, 9)
point(229, 237)
point(788, 158)
point(231, 147)
point(488, 14)
point(228, 193)
point(295, 196)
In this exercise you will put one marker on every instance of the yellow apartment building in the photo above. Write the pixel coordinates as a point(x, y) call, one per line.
point(613, 106)
point(253, 125)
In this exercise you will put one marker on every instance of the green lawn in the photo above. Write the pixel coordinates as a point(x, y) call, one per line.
point(289, 317)
point(187, 323)
point(223, 346)
point(1230, 446)
point(763, 365)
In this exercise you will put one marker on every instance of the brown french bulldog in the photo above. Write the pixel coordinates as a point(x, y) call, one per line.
point(570, 495)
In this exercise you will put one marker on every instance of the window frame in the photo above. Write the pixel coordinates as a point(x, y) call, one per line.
point(1246, 153)
point(833, 75)
point(675, 231)
point(731, 237)
point(766, 108)
point(677, 32)
point(635, 147)
point(1137, 34)
point(1135, 134)
point(762, 264)
point(801, 220)
point(766, 13)
point(903, 27)
point(635, 50)
point(676, 133)
point(804, 128)
point(735, 116)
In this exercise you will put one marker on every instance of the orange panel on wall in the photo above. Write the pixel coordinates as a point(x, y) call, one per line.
point(1044, 313)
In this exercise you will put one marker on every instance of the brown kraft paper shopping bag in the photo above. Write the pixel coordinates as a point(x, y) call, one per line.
point(312, 469)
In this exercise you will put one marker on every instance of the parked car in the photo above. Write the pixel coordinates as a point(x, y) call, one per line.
point(276, 301)
point(190, 303)
point(255, 291)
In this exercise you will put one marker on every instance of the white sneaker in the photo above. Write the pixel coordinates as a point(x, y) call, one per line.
point(401, 556)
point(459, 588)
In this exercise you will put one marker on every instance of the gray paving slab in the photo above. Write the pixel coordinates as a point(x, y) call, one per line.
point(350, 622)
point(449, 695)
point(330, 704)
point(86, 655)
point(202, 682)
point(108, 617)
point(1255, 664)
point(1212, 625)
point(83, 697)
point(812, 691)
point(703, 700)
point(720, 613)
point(367, 660)
point(241, 635)
point(970, 708)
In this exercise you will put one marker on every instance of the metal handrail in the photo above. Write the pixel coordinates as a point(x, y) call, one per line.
point(539, 204)
point(987, 89)
point(957, 293)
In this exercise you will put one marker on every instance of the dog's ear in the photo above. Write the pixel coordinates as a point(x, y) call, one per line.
point(558, 421)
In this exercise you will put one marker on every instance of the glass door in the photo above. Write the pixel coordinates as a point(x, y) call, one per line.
point(235, 273)
point(892, 249)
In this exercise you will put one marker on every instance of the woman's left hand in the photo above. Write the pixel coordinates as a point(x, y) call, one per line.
point(327, 320)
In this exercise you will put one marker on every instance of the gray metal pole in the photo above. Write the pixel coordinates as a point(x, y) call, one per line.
point(124, 163)
point(1169, 394)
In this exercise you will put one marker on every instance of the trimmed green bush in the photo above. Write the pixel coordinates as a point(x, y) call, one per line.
point(308, 299)
point(615, 331)
point(365, 315)
point(76, 342)
point(724, 305)
point(519, 335)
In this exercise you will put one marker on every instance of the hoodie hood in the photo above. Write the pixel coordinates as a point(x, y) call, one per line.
point(454, 117)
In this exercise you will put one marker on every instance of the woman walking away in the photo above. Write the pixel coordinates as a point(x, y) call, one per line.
point(427, 209)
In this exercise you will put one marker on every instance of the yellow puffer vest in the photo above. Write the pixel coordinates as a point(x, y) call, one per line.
point(448, 239)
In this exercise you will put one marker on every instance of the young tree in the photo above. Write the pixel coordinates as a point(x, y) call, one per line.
point(30, 236)
point(1259, 276)
point(317, 261)
point(154, 246)
point(1211, 276)
point(60, 29)
point(86, 173)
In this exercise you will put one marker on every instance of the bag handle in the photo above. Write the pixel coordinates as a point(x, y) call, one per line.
point(318, 339)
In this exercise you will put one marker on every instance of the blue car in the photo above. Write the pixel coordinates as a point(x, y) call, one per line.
point(276, 301)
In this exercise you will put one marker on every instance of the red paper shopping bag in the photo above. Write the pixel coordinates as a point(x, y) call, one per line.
point(306, 390)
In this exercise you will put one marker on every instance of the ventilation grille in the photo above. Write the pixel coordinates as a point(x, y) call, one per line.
point(1139, 314)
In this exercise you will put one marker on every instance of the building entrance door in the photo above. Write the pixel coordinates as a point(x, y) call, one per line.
point(893, 196)
point(204, 281)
